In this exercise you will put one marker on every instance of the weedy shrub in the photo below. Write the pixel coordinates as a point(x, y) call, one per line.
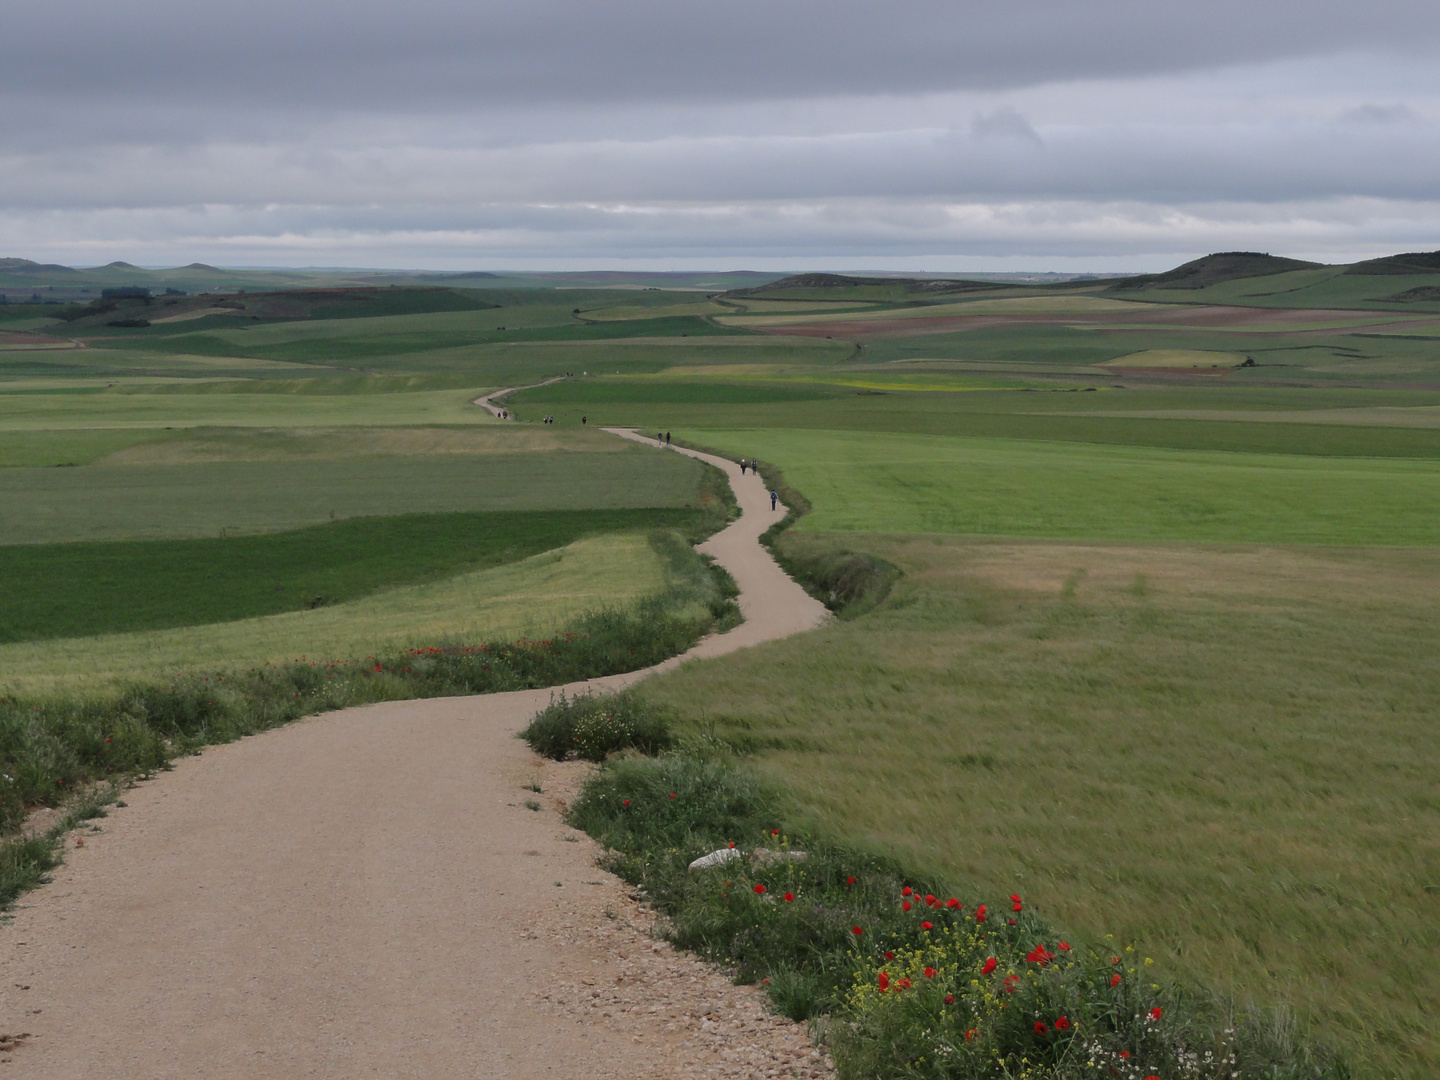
point(902, 979)
point(593, 726)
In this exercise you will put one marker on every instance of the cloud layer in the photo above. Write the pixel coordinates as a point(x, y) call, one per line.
point(937, 135)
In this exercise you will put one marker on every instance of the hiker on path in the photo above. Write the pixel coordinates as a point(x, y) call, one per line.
point(667, 438)
point(774, 499)
point(742, 466)
point(582, 419)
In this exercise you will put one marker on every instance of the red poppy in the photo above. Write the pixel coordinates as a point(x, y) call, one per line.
point(1010, 981)
point(904, 905)
point(1124, 1054)
point(789, 898)
point(903, 984)
point(970, 1035)
point(927, 926)
point(952, 904)
point(990, 966)
point(672, 794)
point(907, 891)
point(759, 889)
point(1114, 959)
point(1152, 1077)
point(889, 955)
point(929, 900)
point(1015, 897)
point(850, 880)
point(1040, 1028)
point(1114, 980)
point(1063, 947)
point(857, 931)
point(1017, 907)
point(980, 913)
point(949, 999)
point(1155, 1013)
point(930, 973)
point(1062, 1023)
point(732, 843)
point(627, 802)
point(774, 832)
point(884, 981)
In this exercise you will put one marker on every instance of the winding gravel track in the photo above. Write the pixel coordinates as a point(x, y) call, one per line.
point(365, 893)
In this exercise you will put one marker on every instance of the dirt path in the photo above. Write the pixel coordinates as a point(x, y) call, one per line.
point(366, 893)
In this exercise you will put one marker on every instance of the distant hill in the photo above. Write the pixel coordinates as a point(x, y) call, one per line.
point(1213, 269)
point(1414, 262)
point(847, 287)
point(124, 310)
point(26, 266)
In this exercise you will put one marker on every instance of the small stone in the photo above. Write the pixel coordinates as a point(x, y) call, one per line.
point(715, 858)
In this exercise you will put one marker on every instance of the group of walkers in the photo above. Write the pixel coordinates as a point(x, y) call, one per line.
point(754, 467)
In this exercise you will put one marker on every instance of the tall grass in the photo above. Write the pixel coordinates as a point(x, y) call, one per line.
point(903, 979)
point(1223, 754)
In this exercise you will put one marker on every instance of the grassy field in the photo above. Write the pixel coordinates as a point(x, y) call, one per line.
point(1149, 417)
point(1224, 754)
point(1186, 698)
point(55, 410)
point(76, 590)
point(43, 506)
point(866, 482)
point(532, 597)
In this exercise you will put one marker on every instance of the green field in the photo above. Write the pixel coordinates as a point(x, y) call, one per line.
point(144, 501)
point(868, 482)
point(1163, 652)
point(531, 598)
point(75, 590)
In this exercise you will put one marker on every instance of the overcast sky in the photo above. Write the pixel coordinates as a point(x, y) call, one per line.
point(937, 135)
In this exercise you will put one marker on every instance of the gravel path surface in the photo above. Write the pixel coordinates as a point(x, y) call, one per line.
point(366, 893)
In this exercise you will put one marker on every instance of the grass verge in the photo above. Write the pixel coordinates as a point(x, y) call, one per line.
point(900, 979)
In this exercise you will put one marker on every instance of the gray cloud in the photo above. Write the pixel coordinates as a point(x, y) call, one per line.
point(1004, 123)
point(463, 131)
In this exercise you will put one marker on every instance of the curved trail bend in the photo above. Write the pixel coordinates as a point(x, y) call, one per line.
point(365, 893)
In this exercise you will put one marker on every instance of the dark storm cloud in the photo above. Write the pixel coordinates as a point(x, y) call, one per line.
point(440, 53)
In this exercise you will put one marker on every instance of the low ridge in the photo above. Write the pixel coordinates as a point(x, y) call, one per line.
point(1213, 269)
point(1410, 262)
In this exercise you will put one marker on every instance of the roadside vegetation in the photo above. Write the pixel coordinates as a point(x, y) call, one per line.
point(900, 977)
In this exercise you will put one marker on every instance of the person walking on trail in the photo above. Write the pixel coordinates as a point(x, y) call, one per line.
point(667, 438)
point(582, 419)
point(774, 499)
point(742, 466)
